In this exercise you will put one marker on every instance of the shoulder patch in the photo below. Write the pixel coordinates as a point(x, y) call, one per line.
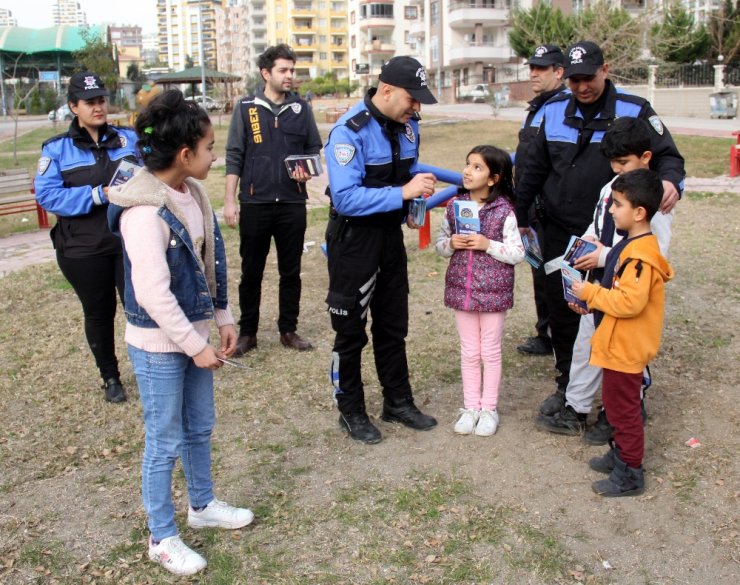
point(43, 165)
point(296, 107)
point(656, 123)
point(410, 133)
point(344, 153)
point(359, 120)
point(123, 139)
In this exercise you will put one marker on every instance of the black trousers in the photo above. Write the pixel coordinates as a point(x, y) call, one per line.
point(96, 279)
point(563, 322)
point(367, 275)
point(258, 224)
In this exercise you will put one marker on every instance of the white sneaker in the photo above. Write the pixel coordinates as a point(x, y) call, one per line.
point(466, 421)
point(219, 514)
point(487, 423)
point(176, 557)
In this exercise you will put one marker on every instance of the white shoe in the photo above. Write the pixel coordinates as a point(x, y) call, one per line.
point(219, 514)
point(176, 557)
point(466, 421)
point(487, 423)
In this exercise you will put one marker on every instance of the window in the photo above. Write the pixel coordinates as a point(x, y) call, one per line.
point(353, 42)
point(376, 11)
point(322, 56)
point(433, 12)
point(411, 12)
point(434, 49)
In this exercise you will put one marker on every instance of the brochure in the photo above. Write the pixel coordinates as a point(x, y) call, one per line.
point(418, 210)
point(577, 247)
point(466, 217)
point(571, 275)
point(124, 172)
point(532, 250)
point(310, 163)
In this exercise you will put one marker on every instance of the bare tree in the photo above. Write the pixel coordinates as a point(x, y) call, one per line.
point(17, 96)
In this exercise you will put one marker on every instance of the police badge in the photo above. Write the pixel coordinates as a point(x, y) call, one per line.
point(43, 165)
point(656, 123)
point(344, 153)
point(296, 107)
point(410, 133)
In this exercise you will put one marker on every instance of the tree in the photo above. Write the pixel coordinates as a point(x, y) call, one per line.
point(678, 39)
point(134, 74)
point(541, 24)
point(618, 34)
point(18, 95)
point(189, 63)
point(723, 30)
point(97, 56)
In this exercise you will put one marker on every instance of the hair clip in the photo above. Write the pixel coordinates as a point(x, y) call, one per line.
point(149, 130)
point(146, 149)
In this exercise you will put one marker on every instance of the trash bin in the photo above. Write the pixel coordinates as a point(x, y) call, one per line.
point(723, 104)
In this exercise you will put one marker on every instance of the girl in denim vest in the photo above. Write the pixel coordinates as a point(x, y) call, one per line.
point(479, 234)
point(175, 272)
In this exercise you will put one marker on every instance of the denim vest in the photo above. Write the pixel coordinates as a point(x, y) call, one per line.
point(188, 281)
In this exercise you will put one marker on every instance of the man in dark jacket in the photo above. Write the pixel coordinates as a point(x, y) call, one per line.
point(265, 129)
point(567, 168)
point(546, 75)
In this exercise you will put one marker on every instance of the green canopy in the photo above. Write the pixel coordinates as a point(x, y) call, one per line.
point(194, 75)
point(31, 41)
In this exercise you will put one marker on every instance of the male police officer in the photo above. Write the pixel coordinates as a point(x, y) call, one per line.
point(371, 156)
point(265, 128)
point(566, 166)
point(546, 75)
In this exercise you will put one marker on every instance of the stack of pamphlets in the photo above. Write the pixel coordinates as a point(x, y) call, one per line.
point(125, 171)
point(418, 210)
point(309, 163)
point(466, 217)
point(532, 250)
point(577, 247)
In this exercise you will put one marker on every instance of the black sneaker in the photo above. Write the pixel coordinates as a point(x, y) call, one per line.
point(600, 432)
point(605, 463)
point(553, 403)
point(404, 411)
point(565, 422)
point(536, 346)
point(622, 481)
point(114, 391)
point(359, 427)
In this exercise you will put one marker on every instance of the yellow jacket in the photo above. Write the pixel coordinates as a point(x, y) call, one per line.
point(628, 337)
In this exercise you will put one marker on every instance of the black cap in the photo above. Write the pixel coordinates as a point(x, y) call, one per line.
point(583, 58)
point(85, 86)
point(546, 55)
point(408, 73)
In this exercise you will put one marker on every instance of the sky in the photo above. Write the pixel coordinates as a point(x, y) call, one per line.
point(37, 13)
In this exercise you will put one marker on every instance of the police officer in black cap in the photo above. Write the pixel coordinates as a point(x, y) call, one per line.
point(72, 180)
point(546, 75)
point(372, 155)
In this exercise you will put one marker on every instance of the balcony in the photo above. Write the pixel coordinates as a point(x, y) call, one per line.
point(485, 53)
point(379, 47)
point(465, 14)
point(257, 23)
point(377, 22)
point(416, 28)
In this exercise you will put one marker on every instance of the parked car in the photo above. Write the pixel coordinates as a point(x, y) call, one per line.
point(210, 104)
point(474, 93)
point(62, 113)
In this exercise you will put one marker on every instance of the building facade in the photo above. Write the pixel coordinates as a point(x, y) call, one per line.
point(241, 32)
point(183, 26)
point(68, 12)
point(7, 18)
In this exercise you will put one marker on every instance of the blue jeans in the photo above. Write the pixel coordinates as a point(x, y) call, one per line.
point(179, 415)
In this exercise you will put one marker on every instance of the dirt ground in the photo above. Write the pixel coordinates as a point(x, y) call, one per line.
point(426, 507)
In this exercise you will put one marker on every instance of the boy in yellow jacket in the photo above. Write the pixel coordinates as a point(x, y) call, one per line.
point(628, 313)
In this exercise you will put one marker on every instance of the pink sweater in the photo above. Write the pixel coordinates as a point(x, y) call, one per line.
point(147, 237)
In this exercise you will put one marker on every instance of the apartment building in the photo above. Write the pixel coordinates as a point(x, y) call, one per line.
point(316, 30)
point(7, 18)
point(182, 26)
point(68, 12)
point(241, 32)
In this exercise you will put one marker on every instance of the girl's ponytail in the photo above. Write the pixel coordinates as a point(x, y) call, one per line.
point(168, 124)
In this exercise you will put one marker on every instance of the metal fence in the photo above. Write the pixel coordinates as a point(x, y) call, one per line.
point(667, 76)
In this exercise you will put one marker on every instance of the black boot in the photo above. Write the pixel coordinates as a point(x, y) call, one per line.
point(114, 390)
point(622, 481)
point(359, 427)
point(605, 463)
point(536, 346)
point(600, 432)
point(565, 422)
point(404, 411)
point(554, 403)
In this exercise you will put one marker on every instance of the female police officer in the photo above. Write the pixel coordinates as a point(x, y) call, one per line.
point(72, 182)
